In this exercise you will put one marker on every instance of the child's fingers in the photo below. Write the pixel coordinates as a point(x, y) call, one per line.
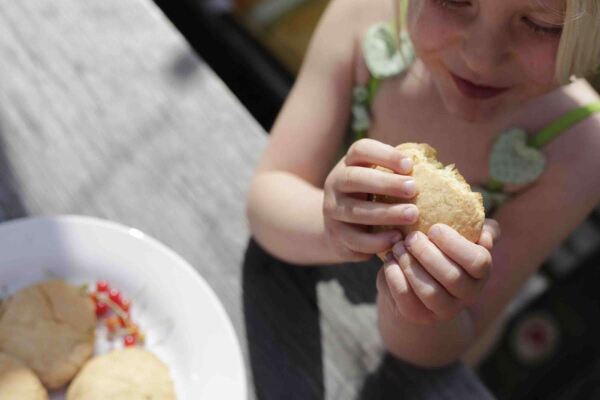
point(369, 180)
point(445, 271)
point(475, 259)
point(486, 240)
point(489, 234)
point(393, 285)
point(359, 241)
point(427, 289)
point(367, 152)
point(356, 211)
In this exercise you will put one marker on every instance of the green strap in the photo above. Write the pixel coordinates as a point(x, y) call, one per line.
point(372, 87)
point(563, 123)
point(359, 135)
point(495, 186)
point(374, 83)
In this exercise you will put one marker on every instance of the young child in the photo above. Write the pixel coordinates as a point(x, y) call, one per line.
point(456, 74)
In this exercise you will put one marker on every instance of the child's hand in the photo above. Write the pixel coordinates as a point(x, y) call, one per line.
point(434, 277)
point(348, 212)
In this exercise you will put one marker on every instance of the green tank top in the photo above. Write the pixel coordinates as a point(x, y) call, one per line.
point(515, 158)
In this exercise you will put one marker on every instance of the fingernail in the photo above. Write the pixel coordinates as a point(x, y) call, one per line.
point(411, 213)
point(487, 239)
point(410, 187)
point(406, 165)
point(411, 239)
point(435, 232)
point(399, 250)
point(397, 237)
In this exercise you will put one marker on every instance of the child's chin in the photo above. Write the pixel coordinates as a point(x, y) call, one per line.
point(469, 110)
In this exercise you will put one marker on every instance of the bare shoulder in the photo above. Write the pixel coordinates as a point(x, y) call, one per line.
point(342, 27)
point(363, 12)
point(541, 217)
point(564, 195)
point(310, 128)
point(574, 159)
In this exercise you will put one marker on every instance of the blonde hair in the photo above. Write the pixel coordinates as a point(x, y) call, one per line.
point(579, 47)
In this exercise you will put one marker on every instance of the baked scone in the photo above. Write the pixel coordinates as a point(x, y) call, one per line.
point(443, 195)
point(50, 328)
point(128, 374)
point(19, 382)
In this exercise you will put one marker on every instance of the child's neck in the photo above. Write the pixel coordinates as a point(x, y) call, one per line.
point(541, 111)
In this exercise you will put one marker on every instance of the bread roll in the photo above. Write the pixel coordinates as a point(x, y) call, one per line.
point(443, 196)
point(128, 374)
point(50, 327)
point(19, 382)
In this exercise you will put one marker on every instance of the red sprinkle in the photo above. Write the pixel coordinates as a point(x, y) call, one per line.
point(102, 286)
point(125, 305)
point(129, 340)
point(115, 296)
point(119, 317)
point(101, 308)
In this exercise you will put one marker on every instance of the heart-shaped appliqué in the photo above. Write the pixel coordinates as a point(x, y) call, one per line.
point(513, 161)
point(381, 52)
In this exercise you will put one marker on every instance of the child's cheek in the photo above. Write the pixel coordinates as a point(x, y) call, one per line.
point(538, 61)
point(432, 29)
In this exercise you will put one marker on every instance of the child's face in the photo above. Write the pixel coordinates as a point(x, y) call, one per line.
point(509, 45)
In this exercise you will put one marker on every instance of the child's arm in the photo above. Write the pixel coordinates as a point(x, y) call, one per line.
point(290, 213)
point(285, 200)
point(537, 222)
point(533, 224)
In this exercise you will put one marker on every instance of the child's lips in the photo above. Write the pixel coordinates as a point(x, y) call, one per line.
point(475, 91)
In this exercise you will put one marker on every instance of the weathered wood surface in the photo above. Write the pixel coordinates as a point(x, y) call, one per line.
point(106, 111)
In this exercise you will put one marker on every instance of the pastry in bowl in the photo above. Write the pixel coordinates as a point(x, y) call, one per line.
point(19, 382)
point(128, 374)
point(50, 328)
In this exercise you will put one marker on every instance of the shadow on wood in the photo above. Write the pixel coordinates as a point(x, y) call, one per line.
point(11, 205)
point(282, 327)
point(282, 320)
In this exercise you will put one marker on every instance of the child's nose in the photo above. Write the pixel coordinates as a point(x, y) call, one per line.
point(484, 49)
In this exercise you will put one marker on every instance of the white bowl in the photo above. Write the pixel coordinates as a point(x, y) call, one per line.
point(185, 324)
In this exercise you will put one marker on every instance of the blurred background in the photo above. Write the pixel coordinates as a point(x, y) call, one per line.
point(549, 349)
